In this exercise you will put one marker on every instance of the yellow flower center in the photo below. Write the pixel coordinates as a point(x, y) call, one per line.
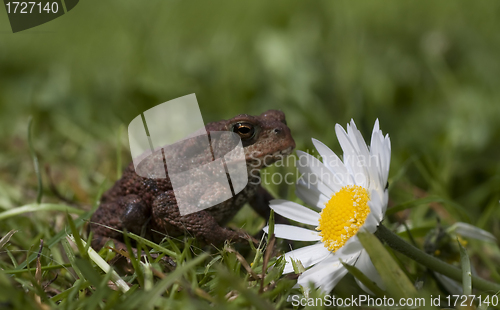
point(343, 216)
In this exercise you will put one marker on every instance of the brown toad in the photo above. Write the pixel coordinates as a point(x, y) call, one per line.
point(148, 207)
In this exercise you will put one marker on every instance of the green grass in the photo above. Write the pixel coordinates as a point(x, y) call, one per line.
point(428, 70)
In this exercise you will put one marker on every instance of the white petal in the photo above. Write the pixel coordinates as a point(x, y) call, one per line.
point(381, 148)
point(370, 163)
point(351, 129)
point(371, 223)
point(379, 154)
point(311, 181)
point(294, 211)
point(365, 265)
point(311, 196)
point(333, 162)
point(375, 205)
point(385, 201)
point(351, 160)
point(357, 139)
point(294, 233)
point(308, 256)
point(376, 126)
point(351, 247)
point(387, 150)
point(316, 173)
point(326, 274)
point(315, 185)
point(376, 135)
point(385, 156)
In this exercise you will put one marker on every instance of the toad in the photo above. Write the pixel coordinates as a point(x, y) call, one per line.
point(148, 207)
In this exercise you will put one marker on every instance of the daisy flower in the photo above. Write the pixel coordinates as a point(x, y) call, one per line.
point(349, 195)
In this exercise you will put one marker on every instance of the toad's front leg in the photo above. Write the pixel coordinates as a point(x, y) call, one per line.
point(167, 219)
point(128, 213)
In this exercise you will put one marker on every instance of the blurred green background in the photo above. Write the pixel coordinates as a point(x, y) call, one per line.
point(428, 70)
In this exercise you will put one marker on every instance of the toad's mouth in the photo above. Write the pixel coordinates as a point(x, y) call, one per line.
point(259, 160)
point(285, 152)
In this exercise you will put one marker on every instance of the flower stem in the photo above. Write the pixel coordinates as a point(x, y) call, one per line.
point(398, 244)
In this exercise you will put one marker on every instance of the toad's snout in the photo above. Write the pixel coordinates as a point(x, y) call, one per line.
point(284, 134)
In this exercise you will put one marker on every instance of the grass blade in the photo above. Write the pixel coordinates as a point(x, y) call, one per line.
point(6, 238)
point(395, 280)
point(39, 193)
point(364, 279)
point(148, 300)
point(39, 207)
point(466, 270)
point(94, 256)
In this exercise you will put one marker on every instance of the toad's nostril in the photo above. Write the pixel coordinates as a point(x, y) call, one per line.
point(277, 130)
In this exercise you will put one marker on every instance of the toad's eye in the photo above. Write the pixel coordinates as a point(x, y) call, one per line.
point(245, 130)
